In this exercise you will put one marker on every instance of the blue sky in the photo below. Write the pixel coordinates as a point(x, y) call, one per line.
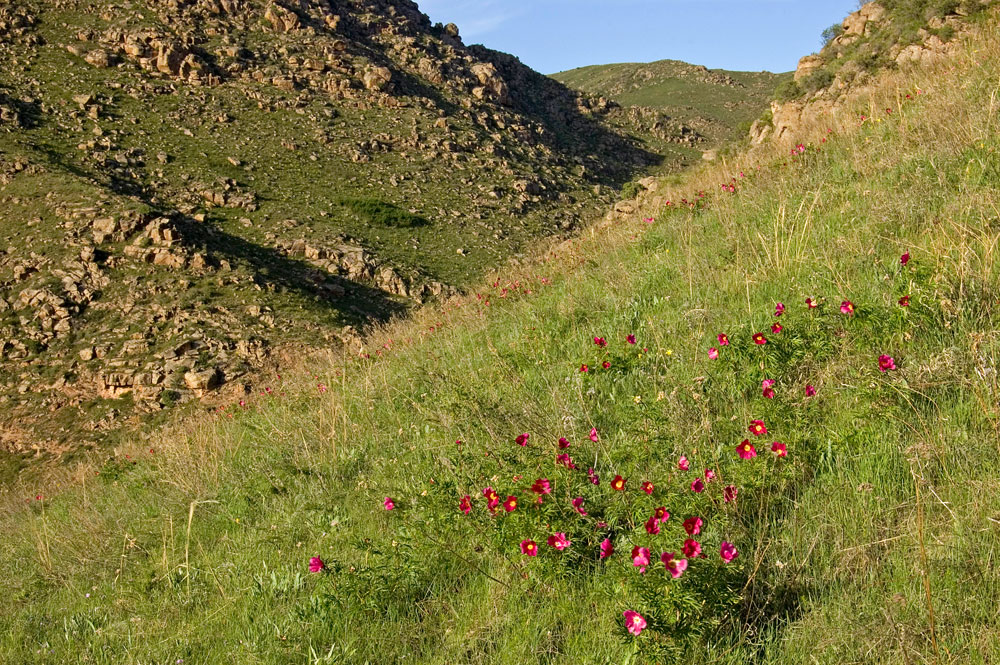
point(554, 35)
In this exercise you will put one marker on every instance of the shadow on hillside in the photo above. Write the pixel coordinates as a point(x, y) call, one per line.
point(355, 303)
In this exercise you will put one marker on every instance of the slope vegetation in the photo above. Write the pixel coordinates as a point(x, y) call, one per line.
point(416, 504)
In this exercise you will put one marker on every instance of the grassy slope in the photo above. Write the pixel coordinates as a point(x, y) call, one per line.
point(715, 109)
point(199, 550)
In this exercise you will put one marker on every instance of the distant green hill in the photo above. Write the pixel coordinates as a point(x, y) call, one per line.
point(716, 104)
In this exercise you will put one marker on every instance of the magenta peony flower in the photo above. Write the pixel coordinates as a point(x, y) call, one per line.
point(709, 475)
point(583, 370)
point(729, 493)
point(779, 449)
point(811, 304)
point(723, 339)
point(593, 434)
point(605, 364)
point(600, 341)
point(578, 504)
point(697, 486)
point(713, 353)
point(593, 477)
point(529, 548)
point(693, 526)
point(465, 505)
point(565, 460)
point(768, 391)
point(847, 307)
point(510, 505)
point(563, 443)
point(682, 463)
point(661, 514)
point(746, 450)
point(675, 567)
point(559, 541)
point(757, 428)
point(776, 328)
point(640, 558)
point(728, 551)
point(634, 622)
point(607, 549)
point(905, 258)
point(810, 391)
point(522, 439)
point(779, 309)
point(316, 564)
point(886, 363)
point(492, 498)
point(541, 486)
point(652, 525)
point(691, 548)
point(388, 503)
point(630, 339)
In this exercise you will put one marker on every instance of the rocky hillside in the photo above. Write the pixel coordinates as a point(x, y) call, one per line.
point(881, 35)
point(679, 108)
point(189, 188)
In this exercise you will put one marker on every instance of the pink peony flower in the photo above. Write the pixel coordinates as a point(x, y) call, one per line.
point(713, 353)
point(675, 567)
point(388, 503)
point(757, 428)
point(316, 564)
point(746, 450)
point(723, 339)
point(607, 549)
point(768, 391)
point(578, 504)
point(847, 307)
point(709, 475)
point(810, 391)
point(728, 551)
point(693, 526)
point(779, 449)
point(634, 622)
point(697, 486)
point(647, 487)
point(640, 558)
point(682, 463)
point(510, 505)
point(691, 548)
point(541, 486)
point(729, 493)
point(529, 548)
point(522, 439)
point(779, 309)
point(465, 505)
point(558, 541)
point(886, 363)
point(593, 434)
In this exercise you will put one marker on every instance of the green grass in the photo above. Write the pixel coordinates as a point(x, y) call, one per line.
point(884, 510)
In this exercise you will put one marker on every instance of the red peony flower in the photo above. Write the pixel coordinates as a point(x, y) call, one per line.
point(746, 450)
point(522, 439)
point(510, 505)
point(691, 548)
point(647, 487)
point(529, 548)
point(563, 443)
point(661, 514)
point(776, 328)
point(905, 258)
point(541, 486)
point(768, 391)
point(618, 484)
point(904, 301)
point(692, 526)
point(630, 339)
point(652, 525)
point(729, 493)
point(779, 309)
point(388, 503)
point(600, 341)
point(811, 304)
point(640, 558)
point(779, 449)
point(559, 541)
point(723, 339)
point(465, 505)
point(759, 339)
point(697, 486)
point(757, 428)
point(578, 505)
